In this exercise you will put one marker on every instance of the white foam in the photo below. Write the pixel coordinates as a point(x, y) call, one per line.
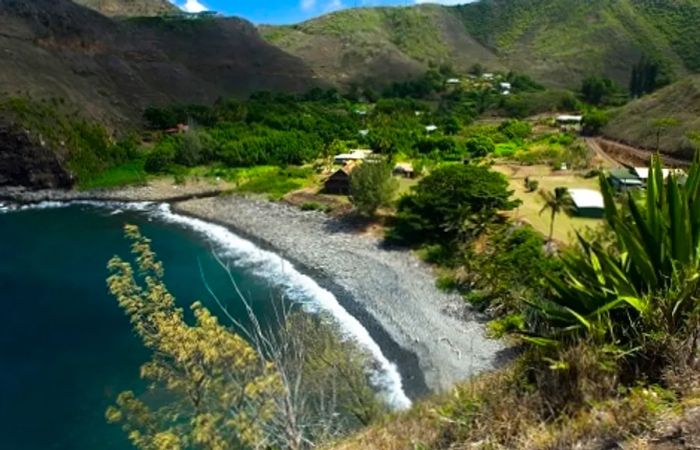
point(299, 287)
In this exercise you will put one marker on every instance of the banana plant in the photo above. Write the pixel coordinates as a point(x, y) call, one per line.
point(610, 292)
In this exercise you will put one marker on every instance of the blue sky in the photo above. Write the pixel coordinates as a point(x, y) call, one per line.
point(289, 11)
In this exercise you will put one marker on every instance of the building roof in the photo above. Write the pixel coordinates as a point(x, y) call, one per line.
point(569, 118)
point(353, 155)
point(453, 80)
point(430, 128)
point(404, 167)
point(587, 198)
point(643, 172)
point(625, 176)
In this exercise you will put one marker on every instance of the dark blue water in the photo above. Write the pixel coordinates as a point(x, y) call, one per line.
point(66, 349)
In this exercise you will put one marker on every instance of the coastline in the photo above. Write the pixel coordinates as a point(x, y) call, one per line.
point(432, 336)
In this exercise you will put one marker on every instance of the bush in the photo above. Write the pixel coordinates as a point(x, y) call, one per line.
point(161, 158)
point(531, 185)
point(315, 206)
point(594, 121)
point(480, 146)
point(515, 129)
point(372, 186)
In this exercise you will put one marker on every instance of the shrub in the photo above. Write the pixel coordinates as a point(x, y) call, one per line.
point(161, 158)
point(531, 185)
point(515, 129)
point(480, 146)
point(372, 186)
point(594, 121)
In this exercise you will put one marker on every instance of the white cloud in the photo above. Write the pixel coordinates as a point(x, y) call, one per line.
point(190, 6)
point(333, 5)
point(193, 6)
point(307, 5)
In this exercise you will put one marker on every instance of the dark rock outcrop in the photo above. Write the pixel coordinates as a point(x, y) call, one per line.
point(26, 163)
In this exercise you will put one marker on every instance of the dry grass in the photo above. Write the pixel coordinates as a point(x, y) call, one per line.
point(564, 226)
point(515, 408)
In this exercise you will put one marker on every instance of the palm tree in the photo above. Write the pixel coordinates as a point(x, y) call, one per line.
point(557, 202)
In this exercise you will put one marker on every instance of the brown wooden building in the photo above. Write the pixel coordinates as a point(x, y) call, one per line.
point(339, 181)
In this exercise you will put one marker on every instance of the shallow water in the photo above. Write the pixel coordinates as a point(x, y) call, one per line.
point(66, 349)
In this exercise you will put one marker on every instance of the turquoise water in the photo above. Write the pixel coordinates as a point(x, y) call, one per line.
point(66, 349)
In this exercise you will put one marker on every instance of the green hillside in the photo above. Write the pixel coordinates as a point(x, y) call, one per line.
point(380, 44)
point(558, 42)
point(678, 106)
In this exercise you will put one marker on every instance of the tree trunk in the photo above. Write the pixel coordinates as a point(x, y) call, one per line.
point(551, 226)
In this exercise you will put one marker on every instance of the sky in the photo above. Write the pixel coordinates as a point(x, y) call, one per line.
point(289, 11)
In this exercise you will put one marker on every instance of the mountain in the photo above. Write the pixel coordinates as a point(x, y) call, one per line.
point(113, 69)
point(130, 8)
point(637, 122)
point(557, 42)
point(378, 45)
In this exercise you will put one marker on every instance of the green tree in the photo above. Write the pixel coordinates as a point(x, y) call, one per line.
point(661, 126)
point(454, 201)
point(594, 121)
point(556, 202)
point(598, 90)
point(480, 146)
point(372, 186)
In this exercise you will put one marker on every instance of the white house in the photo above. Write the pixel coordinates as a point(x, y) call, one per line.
point(569, 122)
point(431, 128)
point(643, 173)
point(587, 202)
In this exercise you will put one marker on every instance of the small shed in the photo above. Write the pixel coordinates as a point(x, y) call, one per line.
point(568, 122)
point(404, 170)
point(587, 203)
point(624, 180)
point(431, 128)
point(178, 129)
point(453, 81)
point(339, 181)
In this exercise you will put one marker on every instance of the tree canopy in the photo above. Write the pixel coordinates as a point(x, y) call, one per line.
point(452, 201)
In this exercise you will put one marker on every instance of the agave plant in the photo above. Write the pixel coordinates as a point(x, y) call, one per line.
point(646, 282)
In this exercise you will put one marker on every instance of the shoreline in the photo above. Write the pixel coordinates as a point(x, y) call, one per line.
point(389, 291)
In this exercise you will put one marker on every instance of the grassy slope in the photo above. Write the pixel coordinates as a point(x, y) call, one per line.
point(376, 43)
point(634, 122)
point(556, 41)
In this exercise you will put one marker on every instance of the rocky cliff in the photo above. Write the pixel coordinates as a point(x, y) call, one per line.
point(27, 163)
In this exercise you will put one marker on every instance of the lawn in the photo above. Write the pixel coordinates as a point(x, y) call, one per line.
point(532, 203)
point(126, 174)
